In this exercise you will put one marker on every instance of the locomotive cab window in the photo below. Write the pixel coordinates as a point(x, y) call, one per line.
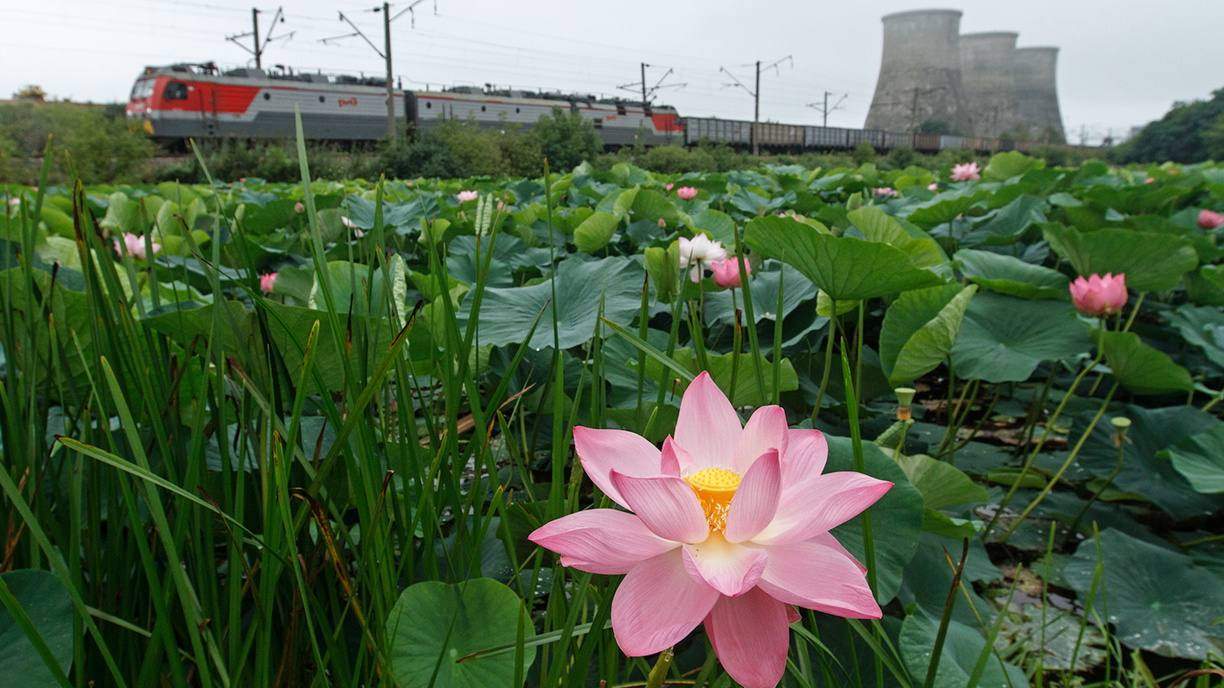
point(176, 90)
point(620, 108)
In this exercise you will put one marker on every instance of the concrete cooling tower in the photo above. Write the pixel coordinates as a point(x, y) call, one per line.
point(988, 76)
point(920, 74)
point(1037, 93)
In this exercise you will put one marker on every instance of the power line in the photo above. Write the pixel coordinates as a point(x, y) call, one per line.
point(824, 109)
point(756, 94)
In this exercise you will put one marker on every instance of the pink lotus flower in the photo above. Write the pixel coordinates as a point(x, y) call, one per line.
point(1149, 180)
point(727, 272)
point(686, 193)
point(933, 186)
point(267, 282)
point(299, 208)
point(698, 253)
point(1210, 219)
point(885, 192)
point(729, 526)
point(467, 195)
point(1097, 295)
point(966, 172)
point(135, 245)
point(668, 186)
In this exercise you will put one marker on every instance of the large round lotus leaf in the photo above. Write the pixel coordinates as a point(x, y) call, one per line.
point(1151, 262)
point(1144, 472)
point(1010, 275)
point(509, 254)
point(49, 608)
point(1157, 599)
point(507, 314)
point(1200, 459)
point(961, 653)
point(843, 267)
point(440, 635)
point(1202, 326)
point(896, 520)
point(920, 328)
point(1140, 368)
point(1003, 338)
point(765, 285)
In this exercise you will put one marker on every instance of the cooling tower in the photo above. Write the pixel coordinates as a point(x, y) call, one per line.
point(1037, 93)
point(920, 74)
point(987, 74)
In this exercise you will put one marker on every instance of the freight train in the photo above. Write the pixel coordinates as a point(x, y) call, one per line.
point(182, 101)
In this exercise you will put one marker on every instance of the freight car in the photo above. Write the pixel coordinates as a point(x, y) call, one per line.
point(182, 101)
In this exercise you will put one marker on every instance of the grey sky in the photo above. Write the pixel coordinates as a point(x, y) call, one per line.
point(1123, 62)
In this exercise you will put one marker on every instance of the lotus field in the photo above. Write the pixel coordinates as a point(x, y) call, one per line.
point(779, 426)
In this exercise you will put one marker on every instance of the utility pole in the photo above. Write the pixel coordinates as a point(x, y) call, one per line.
point(258, 45)
point(645, 102)
point(255, 38)
point(391, 128)
point(756, 110)
point(384, 53)
point(824, 109)
point(649, 91)
point(756, 95)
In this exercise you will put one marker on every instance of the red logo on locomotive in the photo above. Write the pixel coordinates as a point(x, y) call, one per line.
point(347, 102)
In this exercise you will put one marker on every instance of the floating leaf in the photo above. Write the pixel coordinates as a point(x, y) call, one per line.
point(49, 608)
point(961, 650)
point(441, 635)
point(1157, 599)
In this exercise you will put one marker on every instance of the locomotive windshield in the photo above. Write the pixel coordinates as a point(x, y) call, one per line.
point(143, 89)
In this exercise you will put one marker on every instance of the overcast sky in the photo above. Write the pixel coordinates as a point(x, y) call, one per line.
point(1123, 62)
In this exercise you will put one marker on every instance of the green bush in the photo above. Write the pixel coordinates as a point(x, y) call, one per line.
point(1189, 132)
point(95, 144)
point(565, 139)
point(863, 153)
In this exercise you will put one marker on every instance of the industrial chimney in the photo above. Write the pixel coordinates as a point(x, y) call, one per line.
point(1037, 93)
point(920, 74)
point(987, 73)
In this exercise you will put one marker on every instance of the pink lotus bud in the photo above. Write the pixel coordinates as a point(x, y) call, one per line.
point(299, 208)
point(686, 193)
point(467, 195)
point(668, 186)
point(267, 282)
point(501, 205)
point(966, 172)
point(662, 223)
point(1097, 295)
point(727, 273)
point(1149, 180)
point(1210, 219)
point(885, 192)
point(135, 245)
point(933, 186)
